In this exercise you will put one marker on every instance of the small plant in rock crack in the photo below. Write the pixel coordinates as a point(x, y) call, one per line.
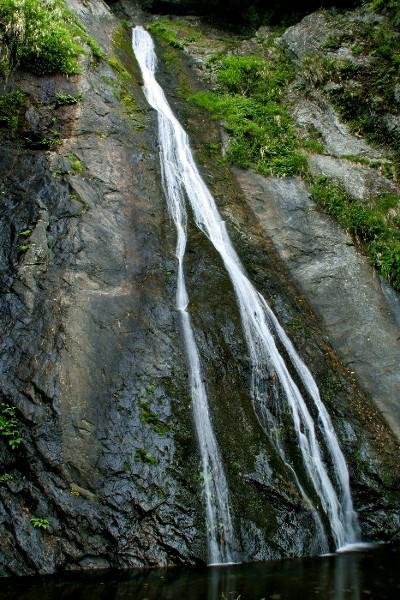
point(9, 426)
point(67, 99)
point(143, 456)
point(25, 233)
point(76, 165)
point(40, 523)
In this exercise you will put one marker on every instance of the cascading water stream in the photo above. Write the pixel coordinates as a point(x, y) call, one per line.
point(273, 388)
point(221, 541)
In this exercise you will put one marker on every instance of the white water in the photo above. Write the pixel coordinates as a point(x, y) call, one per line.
point(273, 389)
point(221, 542)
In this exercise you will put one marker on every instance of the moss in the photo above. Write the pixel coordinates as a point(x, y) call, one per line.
point(248, 97)
point(164, 30)
point(375, 224)
point(142, 455)
point(150, 418)
point(176, 33)
point(296, 326)
point(123, 85)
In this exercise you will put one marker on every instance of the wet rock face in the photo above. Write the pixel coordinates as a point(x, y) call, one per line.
point(90, 352)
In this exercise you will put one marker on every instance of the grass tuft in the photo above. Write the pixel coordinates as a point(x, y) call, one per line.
point(248, 98)
point(375, 224)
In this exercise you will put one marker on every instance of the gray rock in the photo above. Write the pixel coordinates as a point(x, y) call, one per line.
point(337, 281)
point(307, 36)
point(360, 181)
point(317, 114)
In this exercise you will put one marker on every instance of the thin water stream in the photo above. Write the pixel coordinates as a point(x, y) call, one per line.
point(274, 391)
point(221, 543)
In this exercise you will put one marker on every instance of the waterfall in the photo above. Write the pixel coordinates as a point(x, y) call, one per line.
point(273, 389)
point(221, 543)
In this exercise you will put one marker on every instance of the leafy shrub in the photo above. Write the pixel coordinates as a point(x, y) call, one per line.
point(9, 425)
point(41, 36)
point(364, 92)
point(10, 108)
point(142, 455)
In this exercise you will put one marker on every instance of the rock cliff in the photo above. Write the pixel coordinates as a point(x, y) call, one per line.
point(91, 355)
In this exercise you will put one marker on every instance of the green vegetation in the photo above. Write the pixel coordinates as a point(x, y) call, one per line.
point(375, 224)
point(176, 33)
point(149, 417)
point(67, 99)
point(165, 30)
point(390, 7)
point(122, 85)
point(313, 145)
point(9, 426)
point(384, 165)
point(52, 139)
point(40, 523)
point(364, 92)
point(142, 455)
point(23, 248)
point(248, 98)
point(76, 165)
point(6, 477)
point(121, 88)
point(296, 326)
point(25, 233)
point(10, 108)
point(41, 36)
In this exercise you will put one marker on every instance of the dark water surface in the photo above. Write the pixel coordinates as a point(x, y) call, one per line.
point(371, 575)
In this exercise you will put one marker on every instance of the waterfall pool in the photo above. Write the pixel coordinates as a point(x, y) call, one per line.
point(371, 574)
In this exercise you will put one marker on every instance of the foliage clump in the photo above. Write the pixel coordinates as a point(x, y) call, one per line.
point(40, 523)
point(63, 99)
point(248, 98)
point(10, 107)
point(41, 36)
point(376, 224)
point(142, 455)
point(9, 425)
